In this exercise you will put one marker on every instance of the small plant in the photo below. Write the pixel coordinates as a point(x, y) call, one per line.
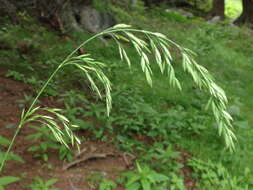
point(27, 100)
point(144, 179)
point(95, 178)
point(149, 44)
point(134, 114)
point(98, 112)
point(65, 153)
point(42, 150)
point(21, 77)
point(47, 141)
point(176, 182)
point(216, 176)
point(6, 180)
point(6, 142)
point(16, 75)
point(163, 158)
point(107, 184)
point(39, 184)
point(10, 156)
point(73, 98)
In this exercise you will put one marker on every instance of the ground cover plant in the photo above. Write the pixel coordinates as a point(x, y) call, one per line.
point(141, 116)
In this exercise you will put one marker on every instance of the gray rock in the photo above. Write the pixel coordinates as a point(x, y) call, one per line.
point(94, 21)
point(214, 20)
point(86, 18)
point(185, 13)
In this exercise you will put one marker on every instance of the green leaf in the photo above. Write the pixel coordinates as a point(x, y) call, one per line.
point(158, 177)
point(133, 186)
point(51, 182)
point(145, 184)
point(102, 186)
point(16, 158)
point(34, 136)
point(11, 157)
point(8, 180)
point(133, 178)
point(33, 148)
point(4, 141)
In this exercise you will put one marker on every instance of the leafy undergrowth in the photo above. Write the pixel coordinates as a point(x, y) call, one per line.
point(140, 146)
point(41, 163)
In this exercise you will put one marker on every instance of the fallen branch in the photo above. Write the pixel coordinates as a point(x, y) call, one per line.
point(85, 158)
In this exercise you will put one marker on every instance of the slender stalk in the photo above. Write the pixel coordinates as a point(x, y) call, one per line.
point(9, 148)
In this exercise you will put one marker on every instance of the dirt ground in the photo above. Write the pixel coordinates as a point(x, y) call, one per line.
point(99, 158)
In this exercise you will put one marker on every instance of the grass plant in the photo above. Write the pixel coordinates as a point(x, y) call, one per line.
point(149, 44)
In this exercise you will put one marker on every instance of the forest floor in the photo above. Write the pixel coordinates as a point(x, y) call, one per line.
point(110, 163)
point(99, 159)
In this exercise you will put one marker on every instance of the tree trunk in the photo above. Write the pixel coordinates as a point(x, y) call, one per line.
point(218, 9)
point(247, 14)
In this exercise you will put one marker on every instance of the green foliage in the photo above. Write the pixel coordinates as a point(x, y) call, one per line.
point(144, 179)
point(176, 182)
point(39, 184)
point(161, 157)
point(134, 114)
point(78, 107)
point(230, 61)
point(161, 113)
point(75, 108)
point(204, 5)
point(99, 112)
point(9, 157)
point(137, 114)
point(128, 144)
point(126, 10)
point(16, 75)
point(174, 116)
point(199, 74)
point(99, 180)
point(44, 146)
point(216, 176)
point(6, 180)
point(4, 141)
point(101, 6)
point(107, 185)
point(52, 90)
point(170, 15)
point(47, 141)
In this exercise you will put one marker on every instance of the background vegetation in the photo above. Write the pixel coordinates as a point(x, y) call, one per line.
point(166, 130)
